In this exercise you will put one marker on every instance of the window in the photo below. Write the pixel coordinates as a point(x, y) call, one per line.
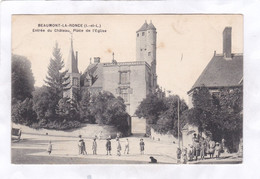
point(124, 94)
point(75, 82)
point(137, 34)
point(149, 53)
point(142, 33)
point(124, 77)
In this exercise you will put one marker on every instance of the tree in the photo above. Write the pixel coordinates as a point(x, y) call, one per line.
point(219, 115)
point(151, 107)
point(57, 80)
point(168, 120)
point(22, 78)
point(161, 113)
point(23, 113)
point(108, 110)
point(43, 103)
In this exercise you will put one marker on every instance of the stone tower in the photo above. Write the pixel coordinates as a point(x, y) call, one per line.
point(73, 72)
point(146, 48)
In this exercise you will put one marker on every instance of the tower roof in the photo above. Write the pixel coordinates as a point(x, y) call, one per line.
point(151, 26)
point(72, 64)
point(144, 27)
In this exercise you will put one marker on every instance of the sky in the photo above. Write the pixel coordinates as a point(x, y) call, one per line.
point(185, 43)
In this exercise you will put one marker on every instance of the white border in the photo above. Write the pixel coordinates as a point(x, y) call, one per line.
point(250, 166)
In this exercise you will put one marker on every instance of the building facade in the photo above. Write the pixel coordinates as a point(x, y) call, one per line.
point(130, 80)
point(225, 70)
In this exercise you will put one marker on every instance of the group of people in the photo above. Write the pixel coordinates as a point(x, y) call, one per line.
point(82, 146)
point(202, 147)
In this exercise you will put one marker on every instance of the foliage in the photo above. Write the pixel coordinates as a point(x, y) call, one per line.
point(57, 125)
point(22, 78)
point(219, 115)
point(56, 79)
point(168, 120)
point(82, 104)
point(108, 110)
point(161, 112)
point(43, 103)
point(23, 113)
point(151, 108)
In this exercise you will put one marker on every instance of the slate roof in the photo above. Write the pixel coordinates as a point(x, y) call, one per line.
point(151, 27)
point(145, 27)
point(72, 64)
point(95, 70)
point(221, 72)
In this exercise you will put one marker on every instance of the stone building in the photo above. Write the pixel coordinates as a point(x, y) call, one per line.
point(223, 70)
point(131, 80)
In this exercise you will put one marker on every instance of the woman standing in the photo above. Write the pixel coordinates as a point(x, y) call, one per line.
point(118, 147)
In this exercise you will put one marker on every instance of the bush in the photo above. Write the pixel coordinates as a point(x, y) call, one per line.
point(57, 125)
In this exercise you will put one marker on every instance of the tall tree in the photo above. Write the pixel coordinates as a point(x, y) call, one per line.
point(22, 78)
point(57, 80)
point(219, 115)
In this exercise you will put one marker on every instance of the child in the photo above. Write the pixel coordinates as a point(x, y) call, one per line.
point(191, 153)
point(142, 146)
point(118, 147)
point(217, 150)
point(108, 146)
point(178, 155)
point(185, 159)
point(126, 147)
point(94, 147)
point(49, 149)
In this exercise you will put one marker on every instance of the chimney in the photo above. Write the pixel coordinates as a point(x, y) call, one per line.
point(96, 59)
point(227, 42)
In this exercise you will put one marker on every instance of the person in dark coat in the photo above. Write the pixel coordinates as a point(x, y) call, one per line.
point(108, 147)
point(141, 146)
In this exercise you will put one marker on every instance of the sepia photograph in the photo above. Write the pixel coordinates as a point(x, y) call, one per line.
point(127, 89)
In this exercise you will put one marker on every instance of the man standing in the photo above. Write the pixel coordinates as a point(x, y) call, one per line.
point(108, 146)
